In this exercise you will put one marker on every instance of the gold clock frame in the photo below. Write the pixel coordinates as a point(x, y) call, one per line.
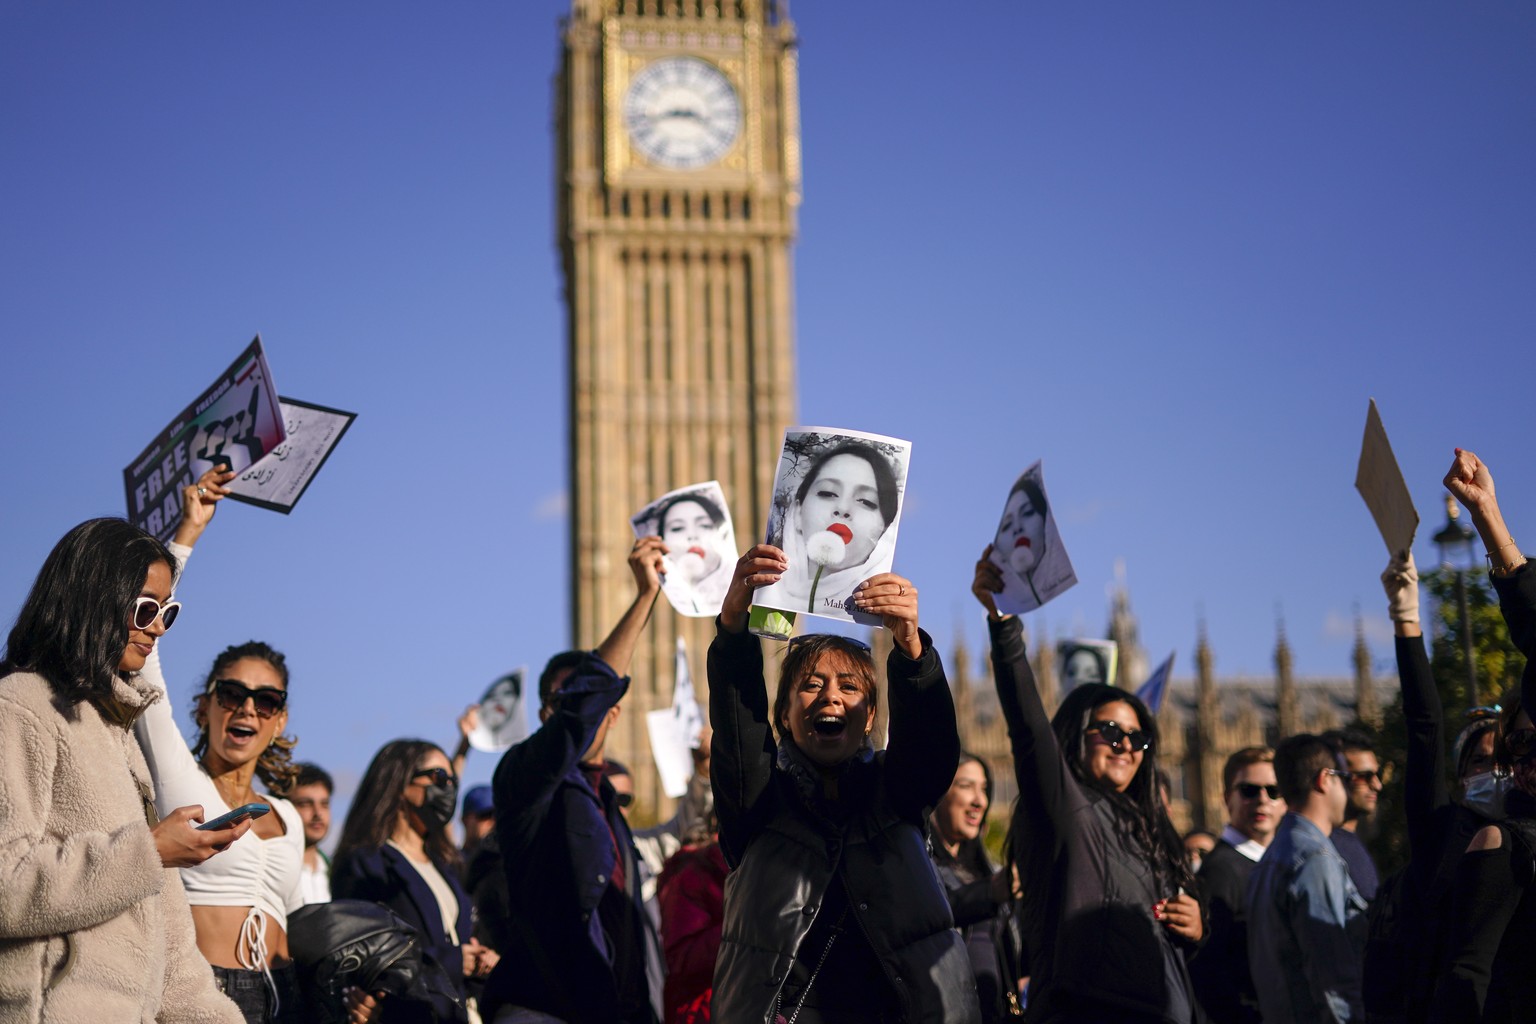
point(628, 46)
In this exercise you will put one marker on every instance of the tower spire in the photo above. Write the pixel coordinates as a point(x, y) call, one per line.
point(1287, 703)
point(1367, 707)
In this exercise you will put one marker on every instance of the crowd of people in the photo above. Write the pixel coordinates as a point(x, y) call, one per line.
point(806, 878)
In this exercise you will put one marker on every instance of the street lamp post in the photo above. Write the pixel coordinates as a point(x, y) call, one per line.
point(1456, 553)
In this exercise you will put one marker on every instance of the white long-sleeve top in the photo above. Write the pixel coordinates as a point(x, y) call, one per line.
point(260, 874)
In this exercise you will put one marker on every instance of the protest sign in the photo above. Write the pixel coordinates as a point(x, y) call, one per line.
point(235, 421)
point(502, 722)
point(835, 511)
point(674, 731)
point(701, 546)
point(279, 479)
point(1028, 549)
point(1380, 482)
point(1081, 661)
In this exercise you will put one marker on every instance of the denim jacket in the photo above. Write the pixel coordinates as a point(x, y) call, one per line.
point(1306, 928)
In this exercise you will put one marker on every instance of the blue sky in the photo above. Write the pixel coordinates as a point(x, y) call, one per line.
point(1172, 249)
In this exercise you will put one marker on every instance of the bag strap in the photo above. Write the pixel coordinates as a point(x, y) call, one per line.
point(837, 929)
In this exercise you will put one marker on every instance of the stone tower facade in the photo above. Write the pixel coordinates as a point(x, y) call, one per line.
point(678, 152)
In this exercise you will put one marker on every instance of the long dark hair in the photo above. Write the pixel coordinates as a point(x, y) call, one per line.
point(972, 854)
point(275, 766)
point(381, 794)
point(1140, 817)
point(74, 624)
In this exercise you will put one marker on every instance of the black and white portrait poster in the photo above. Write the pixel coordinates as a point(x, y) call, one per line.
point(836, 507)
point(695, 524)
point(502, 721)
point(1028, 548)
point(1080, 661)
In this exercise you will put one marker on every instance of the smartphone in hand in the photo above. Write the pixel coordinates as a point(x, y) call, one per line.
point(235, 817)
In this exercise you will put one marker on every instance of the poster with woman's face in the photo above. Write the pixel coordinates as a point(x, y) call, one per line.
point(695, 524)
point(1028, 548)
point(836, 506)
point(1082, 661)
point(502, 721)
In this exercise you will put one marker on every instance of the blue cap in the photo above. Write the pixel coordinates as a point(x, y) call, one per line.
point(477, 800)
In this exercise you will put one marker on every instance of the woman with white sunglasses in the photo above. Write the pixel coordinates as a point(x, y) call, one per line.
point(240, 902)
point(93, 923)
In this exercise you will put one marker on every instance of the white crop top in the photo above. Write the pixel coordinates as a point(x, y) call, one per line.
point(262, 874)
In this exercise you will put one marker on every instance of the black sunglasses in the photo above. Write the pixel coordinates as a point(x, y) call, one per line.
point(439, 776)
point(1113, 732)
point(146, 610)
point(232, 695)
point(1251, 790)
point(1371, 776)
point(1521, 743)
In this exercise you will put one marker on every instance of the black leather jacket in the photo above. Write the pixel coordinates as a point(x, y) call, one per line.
point(787, 851)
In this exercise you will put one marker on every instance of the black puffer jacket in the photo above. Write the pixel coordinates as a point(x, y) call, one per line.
point(792, 856)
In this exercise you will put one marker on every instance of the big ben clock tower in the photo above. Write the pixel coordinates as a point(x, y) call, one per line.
point(679, 177)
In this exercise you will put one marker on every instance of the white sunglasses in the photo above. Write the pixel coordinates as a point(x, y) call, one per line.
point(146, 610)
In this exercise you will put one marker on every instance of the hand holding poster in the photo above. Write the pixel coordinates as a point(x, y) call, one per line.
point(1028, 548)
point(836, 508)
point(234, 421)
point(1380, 482)
point(701, 546)
point(502, 722)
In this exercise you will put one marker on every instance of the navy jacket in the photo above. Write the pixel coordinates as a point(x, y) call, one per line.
point(558, 844)
point(385, 875)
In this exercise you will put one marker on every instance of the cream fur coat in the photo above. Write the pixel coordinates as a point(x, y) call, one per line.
point(92, 928)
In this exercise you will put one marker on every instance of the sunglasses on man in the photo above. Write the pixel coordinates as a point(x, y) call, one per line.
point(232, 695)
point(1113, 732)
point(1251, 790)
point(1371, 776)
point(146, 610)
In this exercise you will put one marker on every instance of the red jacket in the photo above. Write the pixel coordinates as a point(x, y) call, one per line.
point(691, 892)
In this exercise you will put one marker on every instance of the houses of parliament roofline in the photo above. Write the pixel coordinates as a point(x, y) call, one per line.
point(1203, 720)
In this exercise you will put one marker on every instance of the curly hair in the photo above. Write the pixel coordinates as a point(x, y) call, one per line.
point(276, 766)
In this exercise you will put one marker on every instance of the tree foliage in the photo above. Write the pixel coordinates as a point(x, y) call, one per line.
point(1499, 665)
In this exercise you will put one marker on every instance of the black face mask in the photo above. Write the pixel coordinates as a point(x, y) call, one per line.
point(437, 805)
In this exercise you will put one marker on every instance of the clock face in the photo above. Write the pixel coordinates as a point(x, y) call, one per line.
point(681, 112)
